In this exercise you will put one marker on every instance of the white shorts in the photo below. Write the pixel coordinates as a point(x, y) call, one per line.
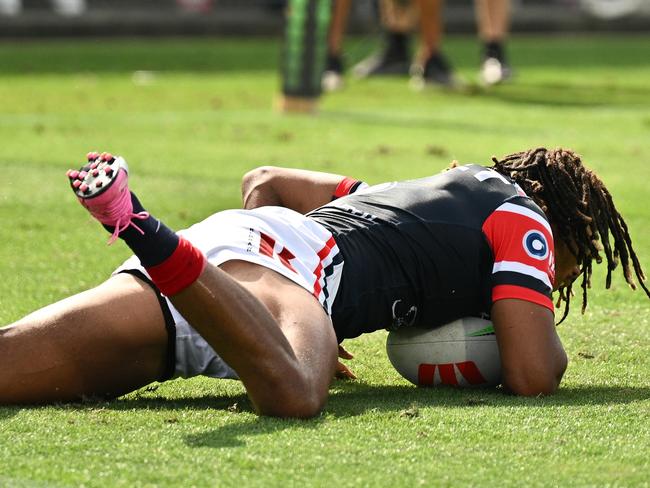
point(274, 237)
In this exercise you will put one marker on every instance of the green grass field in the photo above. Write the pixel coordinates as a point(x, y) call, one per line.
point(190, 129)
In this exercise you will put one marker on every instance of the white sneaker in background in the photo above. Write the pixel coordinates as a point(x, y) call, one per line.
point(494, 72)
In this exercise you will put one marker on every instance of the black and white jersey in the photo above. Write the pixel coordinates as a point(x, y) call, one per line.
point(428, 251)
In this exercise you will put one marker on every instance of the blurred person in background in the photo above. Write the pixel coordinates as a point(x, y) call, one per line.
point(430, 67)
point(334, 67)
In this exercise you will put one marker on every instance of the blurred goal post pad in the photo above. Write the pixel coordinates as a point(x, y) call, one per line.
point(304, 54)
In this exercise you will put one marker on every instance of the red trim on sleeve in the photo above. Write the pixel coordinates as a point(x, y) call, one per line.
point(500, 292)
point(344, 187)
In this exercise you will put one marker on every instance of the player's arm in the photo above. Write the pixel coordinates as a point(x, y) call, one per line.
point(532, 357)
point(297, 189)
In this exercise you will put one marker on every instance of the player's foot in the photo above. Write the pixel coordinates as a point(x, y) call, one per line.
point(381, 64)
point(494, 68)
point(333, 75)
point(436, 71)
point(394, 59)
point(102, 187)
point(494, 71)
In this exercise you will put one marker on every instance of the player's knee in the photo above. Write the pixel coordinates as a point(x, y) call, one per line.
point(292, 402)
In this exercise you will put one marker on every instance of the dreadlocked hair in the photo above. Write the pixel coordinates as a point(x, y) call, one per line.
point(582, 211)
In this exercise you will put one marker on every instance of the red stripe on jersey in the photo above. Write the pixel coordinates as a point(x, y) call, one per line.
point(285, 256)
point(322, 254)
point(344, 187)
point(267, 245)
point(500, 292)
point(267, 248)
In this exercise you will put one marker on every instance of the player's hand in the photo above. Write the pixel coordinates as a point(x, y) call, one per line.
point(342, 371)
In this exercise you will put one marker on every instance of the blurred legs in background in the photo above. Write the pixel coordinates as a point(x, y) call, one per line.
point(334, 66)
point(400, 17)
point(493, 20)
point(431, 66)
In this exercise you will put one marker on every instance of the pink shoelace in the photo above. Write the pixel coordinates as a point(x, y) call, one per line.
point(116, 212)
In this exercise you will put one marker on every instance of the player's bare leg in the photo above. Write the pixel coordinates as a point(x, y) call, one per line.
point(493, 19)
point(431, 28)
point(340, 14)
point(398, 19)
point(398, 16)
point(104, 342)
point(432, 67)
point(333, 75)
point(272, 332)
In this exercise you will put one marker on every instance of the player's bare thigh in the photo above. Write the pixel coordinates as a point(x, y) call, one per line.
point(111, 340)
point(298, 313)
point(105, 341)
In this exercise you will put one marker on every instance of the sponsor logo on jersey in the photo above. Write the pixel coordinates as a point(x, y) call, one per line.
point(403, 315)
point(535, 245)
point(489, 330)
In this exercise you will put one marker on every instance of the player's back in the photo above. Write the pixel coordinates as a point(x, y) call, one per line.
point(416, 252)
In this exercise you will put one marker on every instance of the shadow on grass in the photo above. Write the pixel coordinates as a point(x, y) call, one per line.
point(406, 120)
point(542, 94)
point(356, 399)
point(559, 94)
point(349, 399)
point(236, 434)
point(7, 412)
point(549, 94)
point(231, 403)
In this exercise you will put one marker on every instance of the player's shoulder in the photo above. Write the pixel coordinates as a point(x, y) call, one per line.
point(522, 204)
point(490, 190)
point(479, 174)
point(506, 194)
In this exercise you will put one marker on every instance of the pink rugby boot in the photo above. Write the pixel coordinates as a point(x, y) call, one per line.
point(102, 187)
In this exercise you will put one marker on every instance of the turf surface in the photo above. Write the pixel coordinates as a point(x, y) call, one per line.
point(192, 117)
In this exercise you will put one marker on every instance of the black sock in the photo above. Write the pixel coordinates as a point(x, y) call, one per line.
point(156, 244)
point(494, 49)
point(397, 44)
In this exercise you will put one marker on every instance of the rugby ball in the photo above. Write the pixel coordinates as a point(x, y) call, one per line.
point(461, 353)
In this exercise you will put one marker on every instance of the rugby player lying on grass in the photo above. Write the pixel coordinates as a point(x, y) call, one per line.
point(270, 292)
